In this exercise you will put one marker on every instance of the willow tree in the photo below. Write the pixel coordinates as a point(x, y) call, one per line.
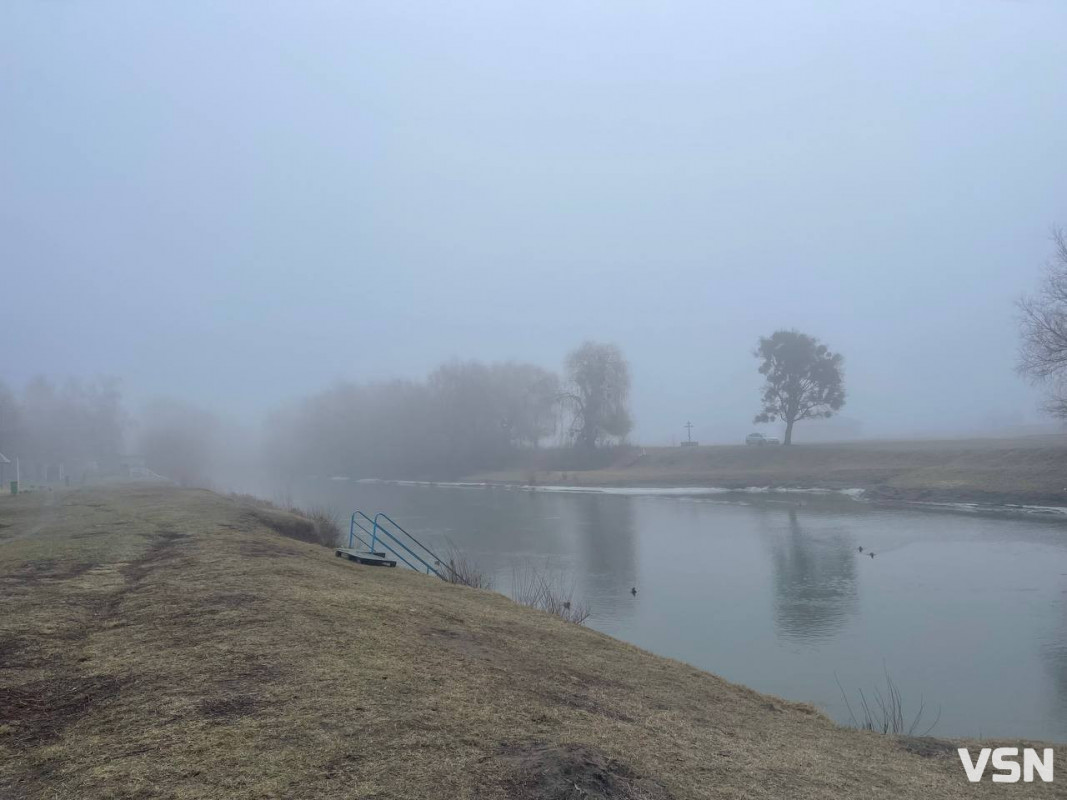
point(598, 393)
point(804, 379)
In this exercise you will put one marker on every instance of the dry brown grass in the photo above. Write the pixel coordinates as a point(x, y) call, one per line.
point(165, 643)
point(317, 525)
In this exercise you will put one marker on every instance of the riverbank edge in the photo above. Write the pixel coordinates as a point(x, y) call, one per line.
point(194, 636)
point(994, 474)
point(794, 495)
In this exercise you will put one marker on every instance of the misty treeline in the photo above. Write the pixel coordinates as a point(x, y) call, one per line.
point(465, 416)
point(68, 427)
point(194, 447)
point(74, 430)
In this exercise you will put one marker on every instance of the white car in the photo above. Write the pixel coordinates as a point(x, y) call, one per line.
point(760, 439)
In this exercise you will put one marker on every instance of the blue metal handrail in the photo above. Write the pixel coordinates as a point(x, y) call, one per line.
point(378, 528)
point(353, 524)
point(378, 531)
point(392, 550)
point(372, 546)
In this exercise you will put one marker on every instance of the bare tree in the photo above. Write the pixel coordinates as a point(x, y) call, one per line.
point(804, 379)
point(465, 416)
point(466, 413)
point(77, 423)
point(526, 396)
point(598, 393)
point(1043, 323)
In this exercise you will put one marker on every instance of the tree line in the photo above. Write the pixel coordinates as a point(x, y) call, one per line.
point(465, 416)
point(469, 416)
point(78, 429)
point(51, 427)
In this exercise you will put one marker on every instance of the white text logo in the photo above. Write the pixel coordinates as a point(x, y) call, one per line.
point(1005, 761)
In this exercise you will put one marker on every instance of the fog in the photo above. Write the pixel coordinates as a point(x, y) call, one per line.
point(239, 206)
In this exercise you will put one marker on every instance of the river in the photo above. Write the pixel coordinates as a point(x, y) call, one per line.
point(967, 613)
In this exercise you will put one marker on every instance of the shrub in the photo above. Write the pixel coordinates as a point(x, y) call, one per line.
point(884, 711)
point(317, 526)
point(327, 528)
point(464, 571)
point(547, 592)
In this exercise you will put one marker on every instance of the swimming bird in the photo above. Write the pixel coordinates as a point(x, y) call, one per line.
point(633, 591)
point(871, 555)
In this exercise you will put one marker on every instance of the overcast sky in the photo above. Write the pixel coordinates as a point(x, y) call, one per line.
point(240, 203)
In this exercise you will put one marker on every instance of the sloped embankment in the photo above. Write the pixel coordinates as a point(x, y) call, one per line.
point(166, 643)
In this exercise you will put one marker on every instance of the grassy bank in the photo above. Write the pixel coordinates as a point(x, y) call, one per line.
point(157, 642)
point(997, 471)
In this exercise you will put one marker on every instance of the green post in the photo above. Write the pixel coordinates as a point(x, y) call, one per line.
point(14, 487)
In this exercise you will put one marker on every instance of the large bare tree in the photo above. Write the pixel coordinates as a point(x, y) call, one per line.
point(598, 393)
point(1043, 355)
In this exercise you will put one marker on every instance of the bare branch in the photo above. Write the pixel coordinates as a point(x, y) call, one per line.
point(1043, 326)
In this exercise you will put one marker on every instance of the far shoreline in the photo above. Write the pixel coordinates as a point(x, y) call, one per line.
point(792, 496)
point(1018, 476)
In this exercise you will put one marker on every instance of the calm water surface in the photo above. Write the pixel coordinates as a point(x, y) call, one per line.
point(967, 612)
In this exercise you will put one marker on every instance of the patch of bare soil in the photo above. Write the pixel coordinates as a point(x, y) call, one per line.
point(230, 698)
point(224, 709)
point(250, 672)
point(571, 771)
point(583, 702)
point(38, 712)
point(13, 652)
point(24, 652)
point(162, 550)
point(48, 570)
point(466, 643)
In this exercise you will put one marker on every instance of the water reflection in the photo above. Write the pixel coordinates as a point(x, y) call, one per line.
point(1054, 653)
point(766, 592)
point(814, 581)
point(606, 538)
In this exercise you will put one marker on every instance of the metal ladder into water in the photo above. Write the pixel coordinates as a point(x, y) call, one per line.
point(389, 544)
